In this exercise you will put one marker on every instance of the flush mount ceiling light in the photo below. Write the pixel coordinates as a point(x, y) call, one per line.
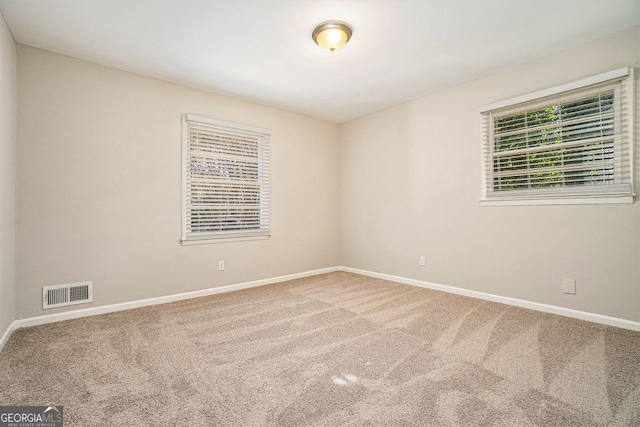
point(332, 35)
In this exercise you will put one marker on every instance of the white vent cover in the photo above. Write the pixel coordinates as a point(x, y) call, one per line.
point(67, 294)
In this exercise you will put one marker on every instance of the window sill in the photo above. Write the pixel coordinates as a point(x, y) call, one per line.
point(224, 240)
point(559, 201)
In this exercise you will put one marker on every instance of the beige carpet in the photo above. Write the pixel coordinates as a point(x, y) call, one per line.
point(329, 350)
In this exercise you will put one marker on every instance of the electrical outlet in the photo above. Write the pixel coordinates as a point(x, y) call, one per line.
point(423, 260)
point(220, 265)
point(569, 286)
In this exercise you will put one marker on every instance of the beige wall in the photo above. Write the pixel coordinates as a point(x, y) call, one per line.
point(99, 190)
point(7, 173)
point(410, 185)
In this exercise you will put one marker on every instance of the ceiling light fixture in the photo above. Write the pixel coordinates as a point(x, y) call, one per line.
point(332, 35)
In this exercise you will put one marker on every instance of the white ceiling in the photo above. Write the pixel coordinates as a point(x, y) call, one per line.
point(262, 49)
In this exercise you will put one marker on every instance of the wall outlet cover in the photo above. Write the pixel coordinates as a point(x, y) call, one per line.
point(569, 286)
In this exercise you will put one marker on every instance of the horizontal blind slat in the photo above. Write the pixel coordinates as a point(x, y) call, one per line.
point(553, 147)
point(556, 124)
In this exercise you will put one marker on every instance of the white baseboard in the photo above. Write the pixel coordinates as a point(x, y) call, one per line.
point(93, 311)
point(553, 309)
point(5, 337)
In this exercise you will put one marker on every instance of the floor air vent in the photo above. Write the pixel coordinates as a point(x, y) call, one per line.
point(69, 294)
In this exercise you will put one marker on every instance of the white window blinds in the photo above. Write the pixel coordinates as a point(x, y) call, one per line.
point(226, 179)
point(575, 143)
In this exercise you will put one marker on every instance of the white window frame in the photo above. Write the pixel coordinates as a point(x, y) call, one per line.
point(262, 138)
point(623, 79)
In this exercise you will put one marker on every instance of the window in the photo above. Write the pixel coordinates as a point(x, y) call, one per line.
point(569, 144)
point(225, 180)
